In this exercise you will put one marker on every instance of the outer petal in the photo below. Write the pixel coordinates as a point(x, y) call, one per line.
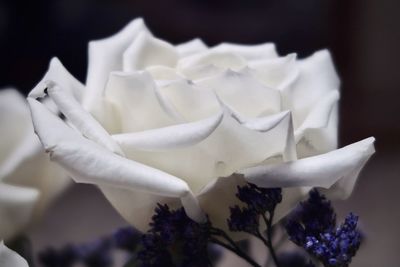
point(317, 78)
point(137, 102)
point(38, 172)
point(26, 149)
point(87, 162)
point(318, 133)
point(191, 47)
point(90, 163)
point(81, 119)
point(318, 171)
point(278, 73)
point(24, 164)
point(218, 197)
point(16, 209)
point(105, 56)
point(59, 74)
point(249, 52)
point(9, 258)
point(136, 207)
point(147, 51)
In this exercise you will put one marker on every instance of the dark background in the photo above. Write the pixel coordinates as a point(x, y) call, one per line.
point(363, 36)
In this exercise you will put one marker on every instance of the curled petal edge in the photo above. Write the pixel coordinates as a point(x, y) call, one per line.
point(87, 162)
point(318, 171)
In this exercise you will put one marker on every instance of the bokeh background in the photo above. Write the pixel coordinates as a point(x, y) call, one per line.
point(363, 36)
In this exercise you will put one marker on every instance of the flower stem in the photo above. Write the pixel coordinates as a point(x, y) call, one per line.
point(268, 240)
point(232, 246)
point(237, 251)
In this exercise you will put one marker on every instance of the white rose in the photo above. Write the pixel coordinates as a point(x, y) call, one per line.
point(28, 180)
point(163, 123)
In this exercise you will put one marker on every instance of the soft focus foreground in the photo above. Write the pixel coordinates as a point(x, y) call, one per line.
point(71, 211)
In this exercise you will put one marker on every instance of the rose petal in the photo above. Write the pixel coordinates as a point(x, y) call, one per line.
point(163, 73)
point(249, 52)
point(277, 73)
point(212, 157)
point(147, 51)
point(87, 162)
point(38, 172)
point(218, 197)
point(24, 164)
point(81, 119)
point(217, 207)
point(318, 171)
point(59, 74)
point(191, 101)
point(244, 93)
point(316, 79)
point(16, 209)
point(105, 55)
point(318, 132)
point(27, 148)
point(281, 125)
point(14, 121)
point(138, 103)
point(200, 71)
point(191, 47)
point(172, 137)
point(136, 207)
point(9, 258)
point(219, 59)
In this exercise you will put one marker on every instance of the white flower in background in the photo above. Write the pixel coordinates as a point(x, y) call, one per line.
point(184, 124)
point(28, 180)
point(9, 258)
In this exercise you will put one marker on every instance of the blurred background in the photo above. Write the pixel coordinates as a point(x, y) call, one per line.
point(363, 36)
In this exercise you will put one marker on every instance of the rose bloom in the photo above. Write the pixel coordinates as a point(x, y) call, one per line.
point(28, 180)
point(186, 124)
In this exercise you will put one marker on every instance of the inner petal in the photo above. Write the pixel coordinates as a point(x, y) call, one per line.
point(193, 102)
point(229, 148)
point(219, 59)
point(249, 52)
point(146, 51)
point(244, 93)
point(135, 99)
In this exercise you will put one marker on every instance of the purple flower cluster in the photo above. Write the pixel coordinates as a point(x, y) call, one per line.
point(259, 202)
point(173, 233)
point(313, 227)
point(174, 240)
